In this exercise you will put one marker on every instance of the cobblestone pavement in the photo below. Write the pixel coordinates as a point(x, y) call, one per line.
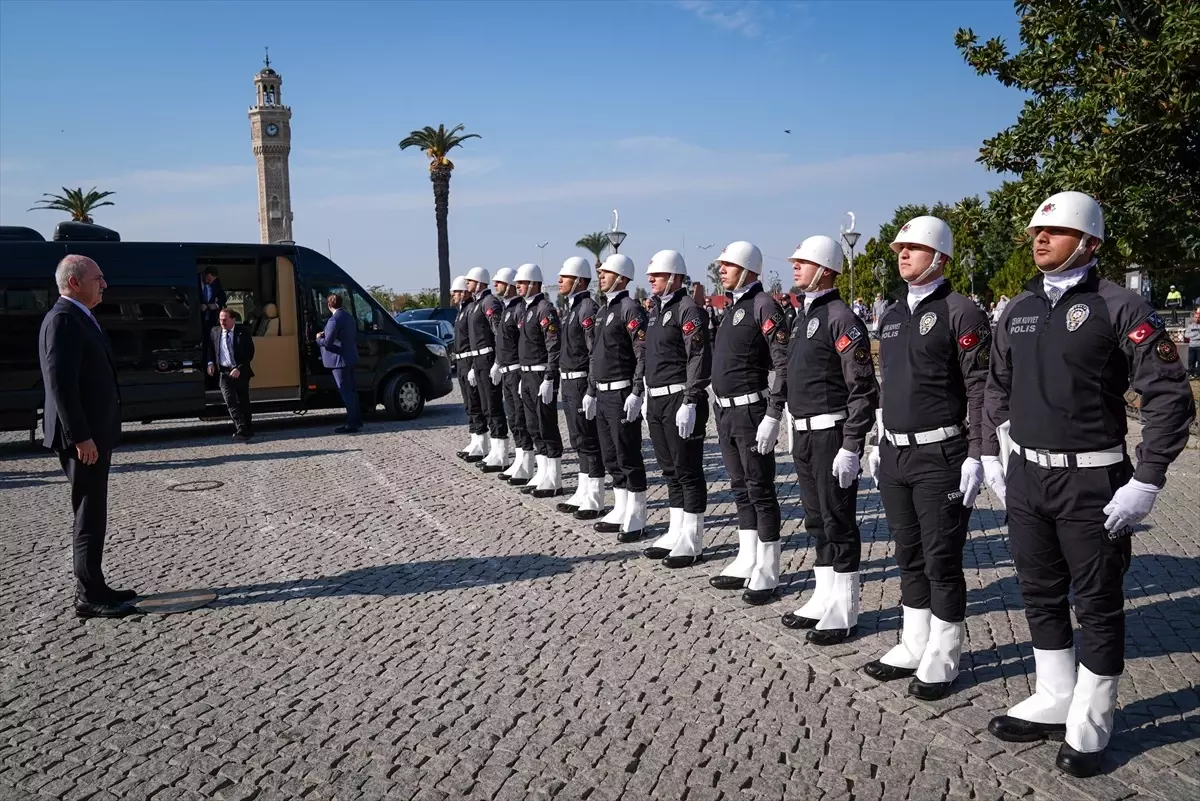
point(393, 624)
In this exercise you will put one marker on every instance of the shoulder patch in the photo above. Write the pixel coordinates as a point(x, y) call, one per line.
point(862, 355)
point(976, 335)
point(489, 311)
point(690, 326)
point(782, 335)
point(1146, 328)
point(1166, 351)
point(847, 339)
point(545, 322)
point(633, 324)
point(768, 326)
point(587, 322)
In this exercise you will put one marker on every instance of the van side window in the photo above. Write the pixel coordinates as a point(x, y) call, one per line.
point(364, 313)
point(25, 301)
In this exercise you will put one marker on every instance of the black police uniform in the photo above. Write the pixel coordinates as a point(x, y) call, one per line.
point(538, 349)
point(830, 372)
point(1059, 372)
point(484, 325)
point(578, 335)
point(678, 368)
point(507, 343)
point(618, 359)
point(932, 380)
point(751, 341)
point(476, 422)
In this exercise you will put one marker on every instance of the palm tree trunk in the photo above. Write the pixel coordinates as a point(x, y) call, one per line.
point(441, 209)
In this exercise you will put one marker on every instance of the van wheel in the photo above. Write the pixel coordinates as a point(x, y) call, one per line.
point(404, 397)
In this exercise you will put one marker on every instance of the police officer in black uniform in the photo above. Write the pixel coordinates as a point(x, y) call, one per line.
point(927, 465)
point(832, 397)
point(751, 342)
point(1066, 350)
point(614, 398)
point(506, 372)
point(678, 369)
point(578, 334)
point(476, 422)
point(484, 326)
point(538, 350)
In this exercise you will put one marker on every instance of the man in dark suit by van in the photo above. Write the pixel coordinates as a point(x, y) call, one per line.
point(231, 354)
point(83, 424)
point(339, 352)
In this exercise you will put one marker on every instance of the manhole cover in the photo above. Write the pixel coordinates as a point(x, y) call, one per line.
point(169, 603)
point(196, 486)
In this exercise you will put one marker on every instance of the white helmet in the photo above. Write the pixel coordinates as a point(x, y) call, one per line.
point(744, 255)
point(577, 267)
point(928, 231)
point(667, 261)
point(505, 275)
point(1073, 210)
point(479, 275)
point(529, 272)
point(459, 284)
point(620, 264)
point(822, 250)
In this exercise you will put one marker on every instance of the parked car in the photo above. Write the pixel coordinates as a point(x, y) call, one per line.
point(445, 313)
point(438, 328)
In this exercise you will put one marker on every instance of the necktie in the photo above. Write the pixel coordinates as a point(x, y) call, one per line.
point(1054, 294)
point(229, 348)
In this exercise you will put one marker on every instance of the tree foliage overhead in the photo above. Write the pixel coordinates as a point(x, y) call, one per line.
point(595, 244)
point(437, 144)
point(76, 202)
point(1114, 111)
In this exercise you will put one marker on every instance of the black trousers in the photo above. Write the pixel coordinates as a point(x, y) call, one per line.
point(89, 501)
point(829, 510)
point(751, 474)
point(491, 396)
point(541, 418)
point(620, 442)
point(585, 439)
point(345, 379)
point(236, 392)
point(476, 422)
point(924, 510)
point(511, 383)
point(681, 460)
point(1056, 530)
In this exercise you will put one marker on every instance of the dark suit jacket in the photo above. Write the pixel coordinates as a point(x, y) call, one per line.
point(243, 349)
point(339, 347)
point(218, 297)
point(83, 400)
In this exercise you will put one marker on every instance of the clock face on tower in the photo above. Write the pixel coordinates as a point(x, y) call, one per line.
point(272, 129)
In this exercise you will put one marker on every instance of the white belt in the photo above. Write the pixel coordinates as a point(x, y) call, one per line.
point(510, 368)
point(613, 386)
point(923, 437)
point(741, 400)
point(571, 376)
point(818, 423)
point(534, 368)
point(480, 352)
point(670, 389)
point(1104, 458)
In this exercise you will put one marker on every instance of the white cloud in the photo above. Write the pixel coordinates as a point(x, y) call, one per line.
point(347, 154)
point(169, 181)
point(737, 16)
point(17, 165)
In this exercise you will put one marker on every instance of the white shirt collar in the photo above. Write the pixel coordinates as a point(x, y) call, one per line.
point(616, 296)
point(576, 296)
point(738, 294)
point(809, 297)
point(533, 300)
point(1066, 279)
point(85, 309)
point(916, 294)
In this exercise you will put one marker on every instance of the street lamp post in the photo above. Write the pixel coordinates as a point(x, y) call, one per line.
point(615, 237)
point(969, 260)
point(850, 239)
point(541, 251)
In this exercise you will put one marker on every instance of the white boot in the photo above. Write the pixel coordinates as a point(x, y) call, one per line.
point(472, 446)
point(518, 455)
point(691, 536)
point(485, 443)
point(742, 566)
point(576, 497)
point(635, 516)
point(1055, 686)
point(478, 446)
point(815, 608)
point(592, 499)
point(765, 576)
point(663, 545)
point(611, 522)
point(1090, 717)
point(525, 468)
point(842, 610)
point(551, 483)
point(913, 638)
point(539, 475)
point(497, 457)
point(939, 663)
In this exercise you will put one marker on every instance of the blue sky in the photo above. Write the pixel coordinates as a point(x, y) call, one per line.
point(662, 110)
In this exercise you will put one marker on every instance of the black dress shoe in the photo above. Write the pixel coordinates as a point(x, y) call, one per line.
point(587, 514)
point(549, 493)
point(1015, 730)
point(1077, 763)
point(682, 561)
point(471, 459)
point(566, 508)
point(461, 454)
point(929, 690)
point(656, 553)
point(606, 528)
point(528, 487)
point(106, 609)
point(759, 597)
point(881, 671)
point(119, 596)
point(728, 582)
point(794, 621)
point(830, 636)
point(507, 479)
point(346, 430)
point(630, 536)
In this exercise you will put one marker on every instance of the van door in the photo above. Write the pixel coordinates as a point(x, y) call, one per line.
point(367, 340)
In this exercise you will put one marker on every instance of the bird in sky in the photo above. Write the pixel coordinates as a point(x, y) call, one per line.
point(787, 130)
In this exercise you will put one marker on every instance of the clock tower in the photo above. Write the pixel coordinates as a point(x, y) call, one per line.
point(271, 136)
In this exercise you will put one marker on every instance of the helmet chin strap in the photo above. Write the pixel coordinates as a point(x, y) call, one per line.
point(741, 279)
point(812, 286)
point(938, 260)
point(1073, 259)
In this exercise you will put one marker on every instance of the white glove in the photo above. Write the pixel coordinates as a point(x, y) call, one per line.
point(767, 435)
point(685, 418)
point(993, 476)
point(589, 407)
point(971, 481)
point(873, 464)
point(471, 376)
point(845, 467)
point(546, 391)
point(633, 407)
point(496, 373)
point(1130, 504)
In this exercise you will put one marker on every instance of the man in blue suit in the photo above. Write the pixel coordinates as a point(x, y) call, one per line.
point(339, 352)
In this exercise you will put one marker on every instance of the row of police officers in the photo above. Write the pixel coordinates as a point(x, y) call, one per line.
point(1034, 409)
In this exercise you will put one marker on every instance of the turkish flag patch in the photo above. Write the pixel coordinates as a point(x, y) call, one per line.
point(768, 327)
point(587, 322)
point(545, 322)
point(489, 311)
point(689, 327)
point(633, 324)
point(1143, 332)
point(968, 340)
point(843, 343)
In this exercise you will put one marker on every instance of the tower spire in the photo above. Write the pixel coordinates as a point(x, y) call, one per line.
point(267, 57)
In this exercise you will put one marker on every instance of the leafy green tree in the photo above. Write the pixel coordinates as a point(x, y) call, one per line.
point(595, 244)
point(1014, 273)
point(428, 299)
point(385, 296)
point(714, 277)
point(1113, 110)
point(75, 202)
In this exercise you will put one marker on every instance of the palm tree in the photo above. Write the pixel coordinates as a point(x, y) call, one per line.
point(437, 144)
point(595, 244)
point(75, 203)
